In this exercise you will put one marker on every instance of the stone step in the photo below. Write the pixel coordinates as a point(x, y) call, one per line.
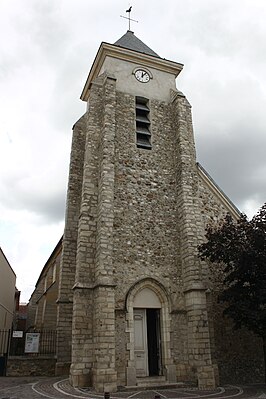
point(151, 381)
point(155, 383)
point(156, 386)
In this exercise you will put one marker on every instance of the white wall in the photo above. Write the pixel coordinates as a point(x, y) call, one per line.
point(7, 293)
point(157, 88)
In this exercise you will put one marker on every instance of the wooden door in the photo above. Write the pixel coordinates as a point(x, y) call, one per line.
point(140, 339)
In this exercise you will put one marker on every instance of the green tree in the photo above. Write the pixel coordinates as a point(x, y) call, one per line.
point(241, 247)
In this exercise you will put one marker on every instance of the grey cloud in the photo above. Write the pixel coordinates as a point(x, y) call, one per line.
point(237, 163)
point(48, 204)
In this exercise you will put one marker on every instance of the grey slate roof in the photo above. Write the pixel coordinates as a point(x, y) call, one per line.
point(131, 42)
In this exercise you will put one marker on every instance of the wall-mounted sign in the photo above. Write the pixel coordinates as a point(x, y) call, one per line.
point(17, 334)
point(32, 342)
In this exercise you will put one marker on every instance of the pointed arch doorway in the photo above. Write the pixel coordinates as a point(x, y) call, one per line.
point(148, 299)
point(147, 333)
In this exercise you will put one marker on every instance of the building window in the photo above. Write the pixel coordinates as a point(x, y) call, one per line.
point(54, 273)
point(143, 134)
point(45, 284)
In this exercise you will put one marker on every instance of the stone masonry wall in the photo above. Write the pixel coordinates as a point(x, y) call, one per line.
point(146, 235)
point(145, 232)
point(121, 346)
point(83, 307)
point(238, 353)
point(95, 332)
point(153, 199)
point(191, 234)
point(18, 366)
point(179, 334)
point(212, 209)
point(69, 249)
point(104, 371)
point(33, 311)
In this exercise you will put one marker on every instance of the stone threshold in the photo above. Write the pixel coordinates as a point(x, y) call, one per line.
point(151, 383)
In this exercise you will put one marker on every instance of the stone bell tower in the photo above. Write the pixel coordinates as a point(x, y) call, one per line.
point(132, 302)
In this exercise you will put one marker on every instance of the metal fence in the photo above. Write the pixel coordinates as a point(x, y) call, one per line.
point(32, 343)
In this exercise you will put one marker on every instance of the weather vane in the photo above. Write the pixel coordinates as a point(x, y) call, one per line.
point(129, 19)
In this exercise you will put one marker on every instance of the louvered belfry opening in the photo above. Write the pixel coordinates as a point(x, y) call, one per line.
point(143, 123)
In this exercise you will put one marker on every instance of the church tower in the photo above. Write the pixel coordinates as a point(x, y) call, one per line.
point(132, 297)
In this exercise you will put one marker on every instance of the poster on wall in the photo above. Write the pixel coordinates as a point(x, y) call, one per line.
point(32, 342)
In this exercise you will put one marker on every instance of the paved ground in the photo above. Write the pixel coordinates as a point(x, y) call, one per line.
point(55, 388)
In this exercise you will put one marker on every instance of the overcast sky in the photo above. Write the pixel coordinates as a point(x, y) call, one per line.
point(46, 50)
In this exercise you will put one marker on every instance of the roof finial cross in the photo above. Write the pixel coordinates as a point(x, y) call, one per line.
point(129, 19)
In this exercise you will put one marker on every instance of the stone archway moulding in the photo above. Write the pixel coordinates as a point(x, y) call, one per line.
point(153, 285)
point(159, 290)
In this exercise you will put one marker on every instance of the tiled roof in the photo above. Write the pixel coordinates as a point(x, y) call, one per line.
point(131, 42)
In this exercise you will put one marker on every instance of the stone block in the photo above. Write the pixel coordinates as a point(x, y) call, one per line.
point(131, 376)
point(171, 373)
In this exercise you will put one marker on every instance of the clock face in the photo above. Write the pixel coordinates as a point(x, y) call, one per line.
point(142, 76)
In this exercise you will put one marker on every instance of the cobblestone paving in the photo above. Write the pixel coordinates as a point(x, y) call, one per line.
point(54, 388)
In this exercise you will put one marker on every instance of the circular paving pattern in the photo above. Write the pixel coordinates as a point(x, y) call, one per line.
point(55, 388)
point(62, 389)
